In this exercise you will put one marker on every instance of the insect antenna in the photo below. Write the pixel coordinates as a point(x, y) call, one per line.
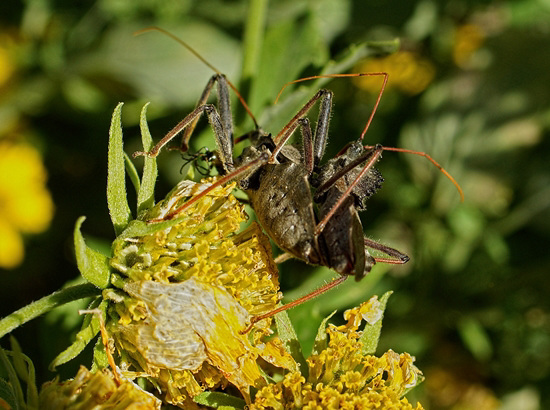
point(201, 58)
point(369, 121)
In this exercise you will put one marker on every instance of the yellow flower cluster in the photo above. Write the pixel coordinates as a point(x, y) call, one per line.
point(95, 391)
point(407, 71)
point(342, 376)
point(190, 289)
point(468, 39)
point(26, 206)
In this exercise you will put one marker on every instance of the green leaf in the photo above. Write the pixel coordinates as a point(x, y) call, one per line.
point(320, 343)
point(25, 370)
point(116, 177)
point(475, 338)
point(288, 336)
point(7, 394)
point(371, 332)
point(100, 360)
point(16, 394)
point(93, 265)
point(276, 68)
point(138, 228)
point(146, 193)
point(83, 337)
point(219, 400)
point(276, 116)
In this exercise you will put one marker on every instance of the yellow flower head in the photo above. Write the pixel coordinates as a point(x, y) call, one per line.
point(26, 205)
point(191, 288)
point(342, 376)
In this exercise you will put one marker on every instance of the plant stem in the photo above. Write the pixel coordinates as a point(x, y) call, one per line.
point(253, 36)
point(252, 45)
point(46, 304)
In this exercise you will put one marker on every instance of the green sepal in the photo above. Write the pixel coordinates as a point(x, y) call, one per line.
point(137, 228)
point(371, 332)
point(146, 193)
point(288, 336)
point(25, 370)
point(93, 265)
point(116, 175)
point(220, 401)
point(7, 393)
point(100, 360)
point(132, 172)
point(321, 339)
point(10, 389)
point(90, 328)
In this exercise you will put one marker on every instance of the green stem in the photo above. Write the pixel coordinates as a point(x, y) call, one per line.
point(253, 36)
point(46, 304)
point(252, 44)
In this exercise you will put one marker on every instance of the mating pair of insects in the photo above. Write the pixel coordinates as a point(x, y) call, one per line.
point(308, 208)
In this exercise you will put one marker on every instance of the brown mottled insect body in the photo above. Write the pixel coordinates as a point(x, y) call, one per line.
point(321, 229)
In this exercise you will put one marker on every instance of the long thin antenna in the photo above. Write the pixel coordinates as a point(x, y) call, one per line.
point(201, 58)
point(378, 98)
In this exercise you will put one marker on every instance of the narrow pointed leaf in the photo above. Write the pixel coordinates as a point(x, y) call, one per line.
point(93, 265)
point(132, 172)
point(288, 336)
point(146, 194)
point(116, 177)
point(100, 360)
point(83, 337)
point(219, 400)
point(25, 370)
point(321, 340)
point(16, 395)
point(7, 394)
point(371, 332)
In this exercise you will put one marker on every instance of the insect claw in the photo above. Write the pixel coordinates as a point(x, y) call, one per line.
point(139, 154)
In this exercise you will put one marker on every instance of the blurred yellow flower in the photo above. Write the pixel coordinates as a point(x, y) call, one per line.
point(342, 376)
point(407, 71)
point(468, 38)
point(26, 205)
point(447, 389)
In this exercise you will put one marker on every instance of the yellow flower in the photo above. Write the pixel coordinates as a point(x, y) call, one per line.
point(341, 376)
point(95, 391)
point(407, 71)
point(190, 289)
point(468, 39)
point(26, 205)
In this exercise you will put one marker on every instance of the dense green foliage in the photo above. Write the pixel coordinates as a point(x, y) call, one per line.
point(472, 304)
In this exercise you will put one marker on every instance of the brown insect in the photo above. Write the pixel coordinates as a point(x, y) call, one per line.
point(320, 229)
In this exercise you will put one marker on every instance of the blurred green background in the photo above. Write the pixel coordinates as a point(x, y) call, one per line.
point(469, 86)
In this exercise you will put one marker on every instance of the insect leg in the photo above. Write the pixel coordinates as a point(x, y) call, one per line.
point(374, 155)
point(314, 145)
point(219, 131)
point(234, 174)
point(224, 108)
point(397, 258)
point(296, 302)
point(285, 133)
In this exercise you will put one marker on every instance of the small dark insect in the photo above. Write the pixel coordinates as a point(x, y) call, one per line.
point(203, 161)
point(321, 229)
